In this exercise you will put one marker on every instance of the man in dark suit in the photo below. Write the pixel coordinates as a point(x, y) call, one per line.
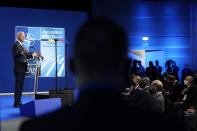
point(100, 55)
point(173, 88)
point(151, 71)
point(156, 89)
point(20, 55)
point(158, 70)
point(189, 93)
point(145, 84)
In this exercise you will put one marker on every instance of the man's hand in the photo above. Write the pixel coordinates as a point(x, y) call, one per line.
point(191, 110)
point(127, 89)
point(181, 102)
point(185, 90)
point(38, 53)
point(25, 51)
point(35, 54)
point(167, 92)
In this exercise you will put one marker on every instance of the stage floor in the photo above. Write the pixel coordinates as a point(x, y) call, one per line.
point(7, 111)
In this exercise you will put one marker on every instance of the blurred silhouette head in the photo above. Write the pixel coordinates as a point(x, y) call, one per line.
point(171, 78)
point(134, 63)
point(186, 65)
point(150, 63)
point(139, 63)
point(157, 62)
point(173, 63)
point(100, 50)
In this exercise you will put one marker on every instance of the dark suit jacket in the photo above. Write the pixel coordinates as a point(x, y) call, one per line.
point(147, 90)
point(151, 73)
point(158, 72)
point(100, 109)
point(20, 60)
point(161, 101)
point(191, 100)
point(176, 93)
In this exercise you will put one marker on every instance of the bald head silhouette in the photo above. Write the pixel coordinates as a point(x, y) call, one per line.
point(100, 49)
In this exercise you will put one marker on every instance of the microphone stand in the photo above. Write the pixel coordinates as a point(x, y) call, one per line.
point(56, 65)
point(67, 64)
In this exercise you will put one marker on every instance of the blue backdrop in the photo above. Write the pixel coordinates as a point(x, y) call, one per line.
point(11, 17)
point(167, 24)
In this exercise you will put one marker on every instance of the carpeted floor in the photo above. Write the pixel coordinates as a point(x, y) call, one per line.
point(7, 111)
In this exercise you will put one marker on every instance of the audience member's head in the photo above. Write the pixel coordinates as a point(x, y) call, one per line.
point(188, 80)
point(139, 63)
point(134, 63)
point(173, 63)
point(186, 65)
point(156, 86)
point(171, 78)
point(144, 82)
point(150, 63)
point(135, 80)
point(157, 62)
point(100, 52)
point(165, 75)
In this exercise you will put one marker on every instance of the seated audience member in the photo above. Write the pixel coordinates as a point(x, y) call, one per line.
point(158, 70)
point(156, 91)
point(100, 53)
point(145, 84)
point(189, 93)
point(173, 88)
point(191, 119)
point(140, 100)
point(134, 83)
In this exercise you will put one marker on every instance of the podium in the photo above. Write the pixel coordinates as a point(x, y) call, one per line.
point(39, 107)
point(46, 103)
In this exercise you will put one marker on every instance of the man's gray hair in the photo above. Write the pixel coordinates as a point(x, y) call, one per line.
point(157, 84)
point(138, 78)
point(19, 33)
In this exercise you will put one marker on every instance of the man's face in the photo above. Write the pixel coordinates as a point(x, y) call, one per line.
point(189, 79)
point(21, 37)
point(134, 80)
